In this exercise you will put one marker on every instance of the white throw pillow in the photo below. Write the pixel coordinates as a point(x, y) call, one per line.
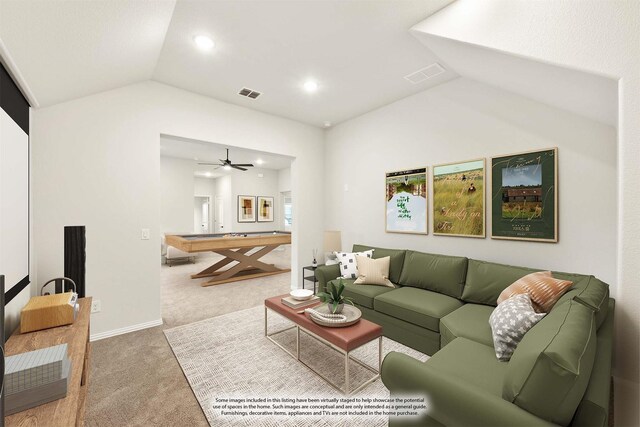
point(348, 264)
point(373, 271)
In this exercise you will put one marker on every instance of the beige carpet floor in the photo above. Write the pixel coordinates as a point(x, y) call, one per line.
point(229, 357)
point(135, 379)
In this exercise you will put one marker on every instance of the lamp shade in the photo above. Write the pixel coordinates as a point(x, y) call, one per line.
point(332, 241)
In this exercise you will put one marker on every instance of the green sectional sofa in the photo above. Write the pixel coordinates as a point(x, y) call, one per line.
point(559, 374)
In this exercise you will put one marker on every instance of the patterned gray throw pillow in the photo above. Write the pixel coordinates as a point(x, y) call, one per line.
point(348, 264)
point(510, 320)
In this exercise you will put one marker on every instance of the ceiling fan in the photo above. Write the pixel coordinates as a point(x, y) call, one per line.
point(227, 164)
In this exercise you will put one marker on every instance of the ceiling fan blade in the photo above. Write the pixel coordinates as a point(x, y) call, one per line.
point(237, 167)
point(210, 164)
point(249, 165)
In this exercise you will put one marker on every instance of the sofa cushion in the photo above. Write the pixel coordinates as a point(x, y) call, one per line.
point(395, 263)
point(510, 321)
point(470, 321)
point(348, 264)
point(373, 271)
point(549, 371)
point(543, 289)
point(418, 306)
point(470, 362)
point(591, 292)
point(486, 280)
point(361, 294)
point(438, 273)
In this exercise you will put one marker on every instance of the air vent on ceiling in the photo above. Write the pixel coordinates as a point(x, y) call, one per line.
point(249, 93)
point(426, 73)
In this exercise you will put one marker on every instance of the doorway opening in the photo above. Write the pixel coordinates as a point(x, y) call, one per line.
point(204, 197)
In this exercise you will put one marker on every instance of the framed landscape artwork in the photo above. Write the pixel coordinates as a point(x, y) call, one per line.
point(406, 201)
point(246, 209)
point(458, 199)
point(524, 198)
point(265, 209)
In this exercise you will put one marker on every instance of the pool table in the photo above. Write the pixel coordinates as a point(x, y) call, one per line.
point(233, 247)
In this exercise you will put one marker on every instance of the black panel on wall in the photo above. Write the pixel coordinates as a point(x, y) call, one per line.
point(12, 101)
point(17, 107)
point(75, 257)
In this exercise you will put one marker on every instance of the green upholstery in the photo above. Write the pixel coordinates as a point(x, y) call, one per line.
point(469, 321)
point(325, 274)
point(416, 337)
point(469, 361)
point(451, 402)
point(593, 293)
point(361, 294)
point(486, 280)
point(396, 260)
point(560, 373)
point(418, 306)
point(438, 273)
point(550, 369)
point(593, 410)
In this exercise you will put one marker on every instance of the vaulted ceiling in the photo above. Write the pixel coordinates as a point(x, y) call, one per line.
point(358, 52)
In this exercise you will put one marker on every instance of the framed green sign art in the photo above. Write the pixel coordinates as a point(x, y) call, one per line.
point(524, 196)
point(458, 199)
point(406, 201)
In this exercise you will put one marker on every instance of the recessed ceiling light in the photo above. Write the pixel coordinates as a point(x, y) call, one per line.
point(204, 42)
point(207, 174)
point(226, 167)
point(311, 86)
point(327, 124)
point(259, 161)
point(195, 158)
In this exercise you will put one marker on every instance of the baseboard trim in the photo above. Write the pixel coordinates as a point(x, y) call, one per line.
point(125, 330)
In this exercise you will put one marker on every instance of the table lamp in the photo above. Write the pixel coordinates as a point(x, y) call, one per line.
point(332, 244)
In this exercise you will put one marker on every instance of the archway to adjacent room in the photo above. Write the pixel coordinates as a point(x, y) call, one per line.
point(206, 198)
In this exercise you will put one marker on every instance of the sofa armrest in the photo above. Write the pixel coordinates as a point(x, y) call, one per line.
point(325, 274)
point(451, 401)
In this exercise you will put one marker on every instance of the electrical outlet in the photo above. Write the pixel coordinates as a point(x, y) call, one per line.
point(145, 234)
point(96, 306)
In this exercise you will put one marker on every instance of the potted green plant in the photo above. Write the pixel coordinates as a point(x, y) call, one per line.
point(334, 298)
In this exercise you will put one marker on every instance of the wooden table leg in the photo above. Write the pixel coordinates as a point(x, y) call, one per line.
point(213, 270)
point(248, 267)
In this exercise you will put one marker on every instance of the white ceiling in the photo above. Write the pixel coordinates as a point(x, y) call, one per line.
point(358, 51)
point(585, 94)
point(190, 149)
point(69, 49)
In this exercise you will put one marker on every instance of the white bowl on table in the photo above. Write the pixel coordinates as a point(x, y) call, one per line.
point(301, 294)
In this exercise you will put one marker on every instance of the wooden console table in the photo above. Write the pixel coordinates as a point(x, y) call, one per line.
point(70, 410)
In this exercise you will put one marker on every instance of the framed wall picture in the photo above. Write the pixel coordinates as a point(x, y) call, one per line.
point(524, 196)
point(458, 199)
point(406, 201)
point(246, 209)
point(265, 209)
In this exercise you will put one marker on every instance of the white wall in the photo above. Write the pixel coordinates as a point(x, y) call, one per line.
point(224, 193)
point(463, 120)
point(176, 195)
point(603, 38)
point(249, 184)
point(80, 177)
point(284, 180)
point(204, 186)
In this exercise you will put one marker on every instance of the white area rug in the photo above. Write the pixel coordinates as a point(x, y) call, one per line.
point(229, 356)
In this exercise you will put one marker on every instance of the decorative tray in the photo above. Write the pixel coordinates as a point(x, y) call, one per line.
point(353, 316)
